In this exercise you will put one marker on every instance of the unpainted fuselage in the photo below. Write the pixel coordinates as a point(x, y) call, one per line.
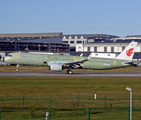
point(47, 59)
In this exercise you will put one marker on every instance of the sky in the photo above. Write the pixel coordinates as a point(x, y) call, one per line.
point(114, 17)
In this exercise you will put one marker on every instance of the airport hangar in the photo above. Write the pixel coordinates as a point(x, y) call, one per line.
point(76, 44)
point(32, 42)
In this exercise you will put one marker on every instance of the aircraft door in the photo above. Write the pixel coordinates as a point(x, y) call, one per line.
point(114, 62)
point(18, 58)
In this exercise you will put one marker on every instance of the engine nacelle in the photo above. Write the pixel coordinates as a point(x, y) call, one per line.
point(56, 67)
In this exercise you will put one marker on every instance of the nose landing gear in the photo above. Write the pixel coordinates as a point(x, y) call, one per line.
point(17, 68)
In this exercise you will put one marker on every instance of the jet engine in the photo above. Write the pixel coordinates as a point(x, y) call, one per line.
point(56, 67)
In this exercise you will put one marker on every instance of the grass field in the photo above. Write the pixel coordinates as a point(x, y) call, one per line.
point(69, 98)
point(65, 95)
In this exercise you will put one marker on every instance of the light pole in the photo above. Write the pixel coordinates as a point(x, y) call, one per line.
point(130, 89)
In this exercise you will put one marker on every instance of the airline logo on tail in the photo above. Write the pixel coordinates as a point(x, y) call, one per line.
point(129, 52)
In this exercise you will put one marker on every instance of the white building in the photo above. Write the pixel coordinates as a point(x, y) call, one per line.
point(100, 43)
point(74, 40)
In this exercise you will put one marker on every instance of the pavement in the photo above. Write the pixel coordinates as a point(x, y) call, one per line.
point(64, 74)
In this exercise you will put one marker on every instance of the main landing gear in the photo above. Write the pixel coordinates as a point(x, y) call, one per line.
point(69, 71)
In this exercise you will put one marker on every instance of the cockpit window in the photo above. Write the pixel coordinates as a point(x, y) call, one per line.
point(10, 55)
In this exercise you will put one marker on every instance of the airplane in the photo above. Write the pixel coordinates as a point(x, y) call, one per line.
point(60, 62)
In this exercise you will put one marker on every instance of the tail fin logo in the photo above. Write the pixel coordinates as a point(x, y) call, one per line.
point(129, 52)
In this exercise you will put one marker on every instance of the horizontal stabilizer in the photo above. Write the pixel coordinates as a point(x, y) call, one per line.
point(129, 62)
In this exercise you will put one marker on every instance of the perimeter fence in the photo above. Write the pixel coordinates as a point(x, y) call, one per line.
point(65, 108)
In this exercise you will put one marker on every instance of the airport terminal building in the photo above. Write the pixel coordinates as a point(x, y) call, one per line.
point(46, 42)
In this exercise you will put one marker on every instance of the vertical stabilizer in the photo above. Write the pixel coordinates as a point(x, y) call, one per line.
point(128, 52)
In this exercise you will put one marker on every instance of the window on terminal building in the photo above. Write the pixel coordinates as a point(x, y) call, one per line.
point(65, 41)
point(7, 44)
point(79, 42)
point(12, 44)
point(123, 47)
point(112, 49)
point(2, 43)
point(72, 42)
point(105, 49)
point(72, 49)
point(88, 49)
point(95, 49)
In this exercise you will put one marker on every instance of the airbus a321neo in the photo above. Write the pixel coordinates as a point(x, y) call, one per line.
point(60, 62)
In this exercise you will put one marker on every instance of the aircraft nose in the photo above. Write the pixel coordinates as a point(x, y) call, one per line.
point(7, 59)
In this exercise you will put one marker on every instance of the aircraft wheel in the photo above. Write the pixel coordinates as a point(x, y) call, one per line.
point(69, 72)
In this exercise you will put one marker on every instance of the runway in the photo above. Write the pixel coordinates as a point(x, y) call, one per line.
point(63, 74)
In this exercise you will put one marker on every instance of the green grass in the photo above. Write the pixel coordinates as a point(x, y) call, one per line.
point(69, 97)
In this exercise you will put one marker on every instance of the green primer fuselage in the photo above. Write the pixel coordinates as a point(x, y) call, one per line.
point(47, 59)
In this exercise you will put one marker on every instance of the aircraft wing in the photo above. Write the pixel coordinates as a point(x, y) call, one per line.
point(78, 62)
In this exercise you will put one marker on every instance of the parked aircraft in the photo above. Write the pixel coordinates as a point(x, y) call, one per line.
point(60, 62)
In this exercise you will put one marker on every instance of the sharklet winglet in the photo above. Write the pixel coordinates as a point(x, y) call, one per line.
point(89, 57)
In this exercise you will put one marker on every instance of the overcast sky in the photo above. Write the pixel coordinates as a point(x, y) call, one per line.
point(115, 17)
